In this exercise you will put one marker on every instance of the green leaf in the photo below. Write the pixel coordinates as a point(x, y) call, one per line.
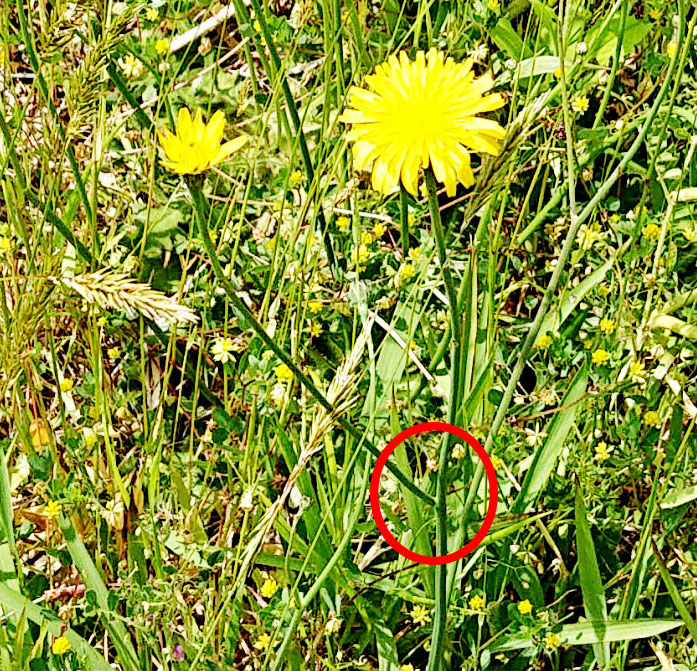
point(388, 659)
point(585, 633)
point(592, 590)
point(546, 457)
point(679, 497)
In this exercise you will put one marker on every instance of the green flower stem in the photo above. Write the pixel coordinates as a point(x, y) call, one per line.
point(202, 211)
point(550, 292)
point(404, 220)
point(441, 613)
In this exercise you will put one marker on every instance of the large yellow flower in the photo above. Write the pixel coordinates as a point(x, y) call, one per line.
point(196, 146)
point(420, 114)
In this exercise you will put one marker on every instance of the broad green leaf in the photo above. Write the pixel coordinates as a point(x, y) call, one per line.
point(388, 659)
point(585, 633)
point(679, 497)
point(506, 38)
point(592, 590)
point(546, 457)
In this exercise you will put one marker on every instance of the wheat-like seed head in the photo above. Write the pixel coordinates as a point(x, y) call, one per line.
point(116, 291)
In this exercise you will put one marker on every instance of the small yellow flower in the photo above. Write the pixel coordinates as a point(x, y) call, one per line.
point(379, 230)
point(222, 350)
point(406, 667)
point(6, 244)
point(66, 385)
point(552, 641)
point(493, 5)
point(296, 178)
point(256, 25)
point(196, 146)
point(405, 273)
point(607, 326)
point(637, 372)
point(162, 46)
point(263, 642)
point(90, 437)
point(314, 306)
point(615, 218)
point(60, 645)
point(458, 451)
point(671, 48)
point(588, 235)
point(422, 114)
point(557, 73)
point(315, 330)
point(496, 462)
point(415, 254)
point(420, 615)
point(367, 238)
point(651, 231)
point(656, 13)
point(52, 510)
point(284, 373)
point(580, 105)
point(151, 14)
point(131, 66)
point(602, 451)
point(269, 588)
point(651, 418)
point(600, 357)
point(477, 602)
point(343, 223)
point(359, 255)
point(112, 352)
point(525, 607)
point(544, 341)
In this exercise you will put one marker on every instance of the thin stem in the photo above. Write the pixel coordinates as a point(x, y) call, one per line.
point(404, 220)
point(441, 613)
point(202, 210)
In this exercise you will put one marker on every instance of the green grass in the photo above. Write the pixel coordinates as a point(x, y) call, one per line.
point(164, 510)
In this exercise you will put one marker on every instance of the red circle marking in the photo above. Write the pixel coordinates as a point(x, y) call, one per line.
point(375, 492)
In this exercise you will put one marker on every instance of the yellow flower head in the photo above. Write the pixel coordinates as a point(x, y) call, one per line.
point(407, 667)
point(284, 373)
point(222, 350)
point(162, 46)
point(544, 341)
point(420, 614)
point(651, 231)
point(343, 223)
point(52, 509)
point(580, 104)
point(552, 641)
point(196, 146)
point(268, 588)
point(378, 230)
point(151, 14)
point(607, 326)
point(600, 357)
point(477, 602)
point(652, 418)
point(60, 645)
point(525, 607)
point(421, 114)
point(263, 641)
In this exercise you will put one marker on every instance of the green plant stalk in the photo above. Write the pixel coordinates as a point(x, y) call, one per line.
point(404, 220)
point(441, 571)
point(561, 263)
point(201, 208)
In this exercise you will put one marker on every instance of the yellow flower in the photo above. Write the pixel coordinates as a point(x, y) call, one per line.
point(269, 588)
point(90, 437)
point(477, 602)
point(315, 330)
point(656, 13)
point(607, 326)
point(493, 5)
point(112, 352)
point(544, 341)
point(406, 667)
point(637, 372)
point(367, 238)
point(5, 244)
point(196, 146)
point(359, 255)
point(602, 451)
point(588, 235)
point(651, 231)
point(296, 178)
point(420, 614)
point(314, 306)
point(580, 104)
point(66, 385)
point(222, 350)
point(405, 273)
point(162, 46)
point(552, 641)
point(420, 114)
point(60, 645)
point(131, 66)
point(284, 373)
point(379, 230)
point(263, 642)
point(600, 357)
point(415, 254)
point(151, 14)
point(343, 223)
point(670, 48)
point(52, 509)
point(458, 451)
point(651, 418)
point(525, 607)
point(496, 462)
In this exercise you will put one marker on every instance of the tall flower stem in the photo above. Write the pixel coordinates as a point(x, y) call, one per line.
point(404, 220)
point(441, 612)
point(195, 184)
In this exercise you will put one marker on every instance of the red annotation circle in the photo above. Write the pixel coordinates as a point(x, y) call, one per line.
point(375, 492)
